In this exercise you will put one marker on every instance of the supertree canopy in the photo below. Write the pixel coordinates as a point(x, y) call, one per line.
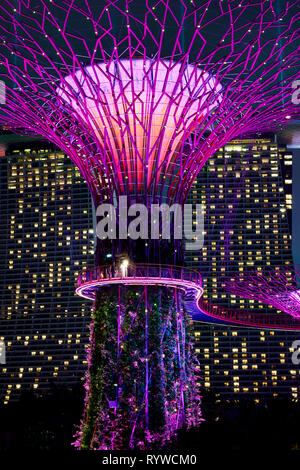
point(278, 287)
point(140, 95)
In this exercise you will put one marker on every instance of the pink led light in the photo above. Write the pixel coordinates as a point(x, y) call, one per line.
point(156, 113)
point(138, 111)
point(182, 278)
point(160, 281)
point(246, 318)
point(273, 286)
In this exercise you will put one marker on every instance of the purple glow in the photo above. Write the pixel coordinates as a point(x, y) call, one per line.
point(247, 318)
point(179, 396)
point(123, 112)
point(276, 287)
point(146, 125)
point(185, 279)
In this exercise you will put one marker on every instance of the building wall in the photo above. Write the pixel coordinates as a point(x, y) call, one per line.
point(245, 190)
point(46, 239)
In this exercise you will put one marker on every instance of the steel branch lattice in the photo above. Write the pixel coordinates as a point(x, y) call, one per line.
point(140, 96)
point(278, 287)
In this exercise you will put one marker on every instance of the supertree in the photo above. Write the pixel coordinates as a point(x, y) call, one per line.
point(277, 286)
point(140, 95)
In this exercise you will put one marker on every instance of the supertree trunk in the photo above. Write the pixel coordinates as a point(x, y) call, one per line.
point(141, 381)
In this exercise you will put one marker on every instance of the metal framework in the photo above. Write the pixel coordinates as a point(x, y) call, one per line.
point(185, 279)
point(278, 287)
point(140, 96)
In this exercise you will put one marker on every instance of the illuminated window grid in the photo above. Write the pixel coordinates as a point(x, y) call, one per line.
point(43, 202)
point(260, 210)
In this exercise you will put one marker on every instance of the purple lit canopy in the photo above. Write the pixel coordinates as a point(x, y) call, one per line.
point(278, 287)
point(141, 94)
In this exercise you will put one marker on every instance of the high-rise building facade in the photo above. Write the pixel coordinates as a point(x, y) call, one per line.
point(246, 193)
point(47, 237)
point(46, 240)
point(286, 167)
